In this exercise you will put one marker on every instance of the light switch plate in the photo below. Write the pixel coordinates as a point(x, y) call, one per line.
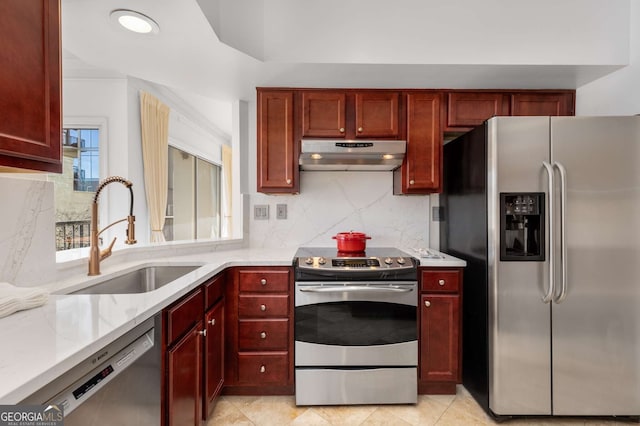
point(281, 211)
point(261, 212)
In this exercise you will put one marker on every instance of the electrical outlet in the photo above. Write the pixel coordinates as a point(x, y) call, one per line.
point(261, 212)
point(281, 211)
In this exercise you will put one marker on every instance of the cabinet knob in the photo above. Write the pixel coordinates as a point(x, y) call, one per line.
point(341, 129)
point(360, 129)
point(203, 332)
point(263, 281)
point(212, 321)
point(263, 368)
point(441, 282)
point(427, 303)
point(263, 335)
point(288, 181)
point(411, 182)
point(263, 308)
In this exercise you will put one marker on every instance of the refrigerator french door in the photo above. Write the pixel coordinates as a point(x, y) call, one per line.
point(546, 211)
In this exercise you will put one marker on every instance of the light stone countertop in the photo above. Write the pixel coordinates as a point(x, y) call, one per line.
point(41, 344)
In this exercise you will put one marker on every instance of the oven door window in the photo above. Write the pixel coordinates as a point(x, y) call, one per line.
point(355, 323)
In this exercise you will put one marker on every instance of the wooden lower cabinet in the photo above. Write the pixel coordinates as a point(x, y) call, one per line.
point(440, 330)
point(184, 395)
point(259, 339)
point(193, 354)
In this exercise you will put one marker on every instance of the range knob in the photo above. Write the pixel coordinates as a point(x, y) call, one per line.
point(388, 261)
point(401, 260)
point(322, 260)
point(308, 260)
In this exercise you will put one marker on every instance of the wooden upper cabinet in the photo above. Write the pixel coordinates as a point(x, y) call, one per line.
point(277, 152)
point(377, 114)
point(30, 85)
point(420, 172)
point(542, 104)
point(323, 114)
point(470, 109)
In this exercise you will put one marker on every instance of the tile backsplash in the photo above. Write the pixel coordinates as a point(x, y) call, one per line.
point(332, 202)
point(27, 231)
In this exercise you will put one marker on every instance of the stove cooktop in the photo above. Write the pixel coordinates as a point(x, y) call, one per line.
point(375, 260)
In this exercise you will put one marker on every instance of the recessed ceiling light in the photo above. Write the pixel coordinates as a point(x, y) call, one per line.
point(135, 21)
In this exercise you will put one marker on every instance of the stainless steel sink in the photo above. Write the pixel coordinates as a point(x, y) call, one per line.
point(141, 280)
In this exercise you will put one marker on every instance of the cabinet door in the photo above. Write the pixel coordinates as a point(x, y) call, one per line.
point(377, 114)
point(420, 171)
point(184, 371)
point(542, 104)
point(469, 109)
point(277, 153)
point(439, 337)
point(30, 95)
point(213, 357)
point(323, 114)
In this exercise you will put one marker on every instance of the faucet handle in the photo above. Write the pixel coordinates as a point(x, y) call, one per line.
point(131, 230)
point(107, 252)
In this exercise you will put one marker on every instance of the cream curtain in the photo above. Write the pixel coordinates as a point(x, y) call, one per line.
point(154, 117)
point(227, 213)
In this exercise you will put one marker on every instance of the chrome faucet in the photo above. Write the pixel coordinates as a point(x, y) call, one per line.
point(95, 255)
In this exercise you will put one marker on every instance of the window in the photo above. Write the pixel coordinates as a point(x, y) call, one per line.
point(193, 198)
point(75, 187)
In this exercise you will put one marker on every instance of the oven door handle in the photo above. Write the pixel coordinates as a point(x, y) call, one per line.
point(355, 289)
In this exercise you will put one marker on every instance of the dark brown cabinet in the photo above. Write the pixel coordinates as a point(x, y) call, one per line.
point(259, 354)
point(420, 172)
point(470, 109)
point(193, 360)
point(30, 85)
point(183, 334)
point(440, 330)
point(277, 152)
point(324, 114)
point(214, 343)
point(350, 114)
point(542, 104)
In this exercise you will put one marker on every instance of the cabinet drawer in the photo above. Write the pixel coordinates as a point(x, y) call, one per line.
point(264, 281)
point(263, 335)
point(263, 368)
point(213, 290)
point(267, 306)
point(443, 281)
point(183, 315)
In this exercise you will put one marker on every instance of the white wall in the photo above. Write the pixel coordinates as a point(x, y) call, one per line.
point(619, 92)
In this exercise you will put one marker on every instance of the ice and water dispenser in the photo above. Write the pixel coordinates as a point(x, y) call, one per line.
point(522, 226)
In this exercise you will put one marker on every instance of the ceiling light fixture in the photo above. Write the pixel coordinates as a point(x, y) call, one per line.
point(135, 21)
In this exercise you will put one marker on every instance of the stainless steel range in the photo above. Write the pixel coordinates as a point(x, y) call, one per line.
point(356, 339)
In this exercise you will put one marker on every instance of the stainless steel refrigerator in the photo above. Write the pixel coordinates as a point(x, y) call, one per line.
point(546, 212)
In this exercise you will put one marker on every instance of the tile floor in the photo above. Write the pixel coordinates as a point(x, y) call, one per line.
point(441, 410)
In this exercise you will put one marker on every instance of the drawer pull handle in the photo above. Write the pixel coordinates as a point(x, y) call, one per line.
point(263, 281)
point(263, 308)
point(263, 368)
point(203, 332)
point(427, 303)
point(341, 129)
point(263, 335)
point(212, 321)
point(441, 282)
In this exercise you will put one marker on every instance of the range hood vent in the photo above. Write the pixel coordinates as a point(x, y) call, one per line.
point(351, 155)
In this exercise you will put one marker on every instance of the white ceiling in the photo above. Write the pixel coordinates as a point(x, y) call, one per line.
point(188, 56)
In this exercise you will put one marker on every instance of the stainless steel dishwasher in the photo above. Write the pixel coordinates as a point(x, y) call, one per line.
point(118, 385)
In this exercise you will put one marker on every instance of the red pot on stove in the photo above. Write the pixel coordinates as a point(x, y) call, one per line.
point(351, 242)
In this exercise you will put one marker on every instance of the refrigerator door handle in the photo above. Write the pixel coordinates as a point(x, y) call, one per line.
point(563, 240)
point(549, 294)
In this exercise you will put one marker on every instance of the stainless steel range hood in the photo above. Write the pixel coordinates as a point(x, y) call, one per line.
point(351, 155)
